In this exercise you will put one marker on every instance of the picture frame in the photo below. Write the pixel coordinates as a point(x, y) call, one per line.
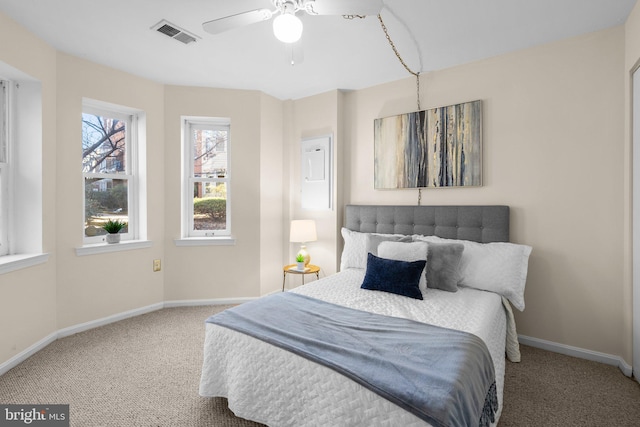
point(435, 148)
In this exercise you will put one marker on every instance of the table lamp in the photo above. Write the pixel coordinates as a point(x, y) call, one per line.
point(303, 231)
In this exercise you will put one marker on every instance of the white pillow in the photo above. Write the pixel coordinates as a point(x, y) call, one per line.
point(354, 254)
point(401, 251)
point(498, 267)
point(374, 240)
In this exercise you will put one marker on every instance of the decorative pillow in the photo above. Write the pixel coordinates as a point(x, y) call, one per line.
point(498, 267)
point(401, 251)
point(443, 262)
point(396, 277)
point(374, 240)
point(354, 254)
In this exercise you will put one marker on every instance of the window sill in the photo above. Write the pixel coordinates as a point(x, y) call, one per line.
point(206, 241)
point(16, 262)
point(101, 248)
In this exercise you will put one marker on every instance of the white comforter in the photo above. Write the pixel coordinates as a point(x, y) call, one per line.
point(267, 384)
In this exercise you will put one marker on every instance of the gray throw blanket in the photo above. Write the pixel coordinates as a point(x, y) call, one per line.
point(443, 376)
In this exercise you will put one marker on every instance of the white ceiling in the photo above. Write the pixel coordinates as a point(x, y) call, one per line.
point(338, 53)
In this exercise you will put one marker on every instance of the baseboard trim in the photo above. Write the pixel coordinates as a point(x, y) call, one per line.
point(27, 353)
point(578, 352)
point(71, 330)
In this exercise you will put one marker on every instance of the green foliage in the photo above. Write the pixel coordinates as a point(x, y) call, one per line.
point(117, 197)
point(91, 207)
point(114, 227)
point(98, 202)
point(221, 191)
point(213, 207)
point(299, 258)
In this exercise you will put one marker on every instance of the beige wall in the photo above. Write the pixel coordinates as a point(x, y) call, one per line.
point(553, 151)
point(632, 41)
point(95, 286)
point(205, 272)
point(272, 202)
point(28, 297)
point(632, 61)
point(312, 117)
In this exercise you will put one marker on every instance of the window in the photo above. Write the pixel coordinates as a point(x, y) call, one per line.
point(206, 191)
point(109, 142)
point(21, 160)
point(4, 168)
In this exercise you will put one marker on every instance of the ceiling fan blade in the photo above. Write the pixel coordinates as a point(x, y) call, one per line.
point(344, 7)
point(227, 23)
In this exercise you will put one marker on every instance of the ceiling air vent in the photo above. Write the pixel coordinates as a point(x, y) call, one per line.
point(168, 29)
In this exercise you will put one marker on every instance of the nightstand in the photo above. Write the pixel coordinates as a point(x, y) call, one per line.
point(291, 269)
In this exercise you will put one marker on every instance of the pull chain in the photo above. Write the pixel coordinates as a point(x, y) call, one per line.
point(418, 90)
point(406, 67)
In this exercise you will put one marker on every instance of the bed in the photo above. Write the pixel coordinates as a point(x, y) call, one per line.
point(269, 384)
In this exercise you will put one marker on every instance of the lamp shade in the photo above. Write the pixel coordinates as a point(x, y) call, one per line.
point(287, 28)
point(303, 230)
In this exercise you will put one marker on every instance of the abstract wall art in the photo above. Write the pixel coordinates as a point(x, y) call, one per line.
point(440, 147)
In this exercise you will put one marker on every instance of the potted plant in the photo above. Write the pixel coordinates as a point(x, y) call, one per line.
point(113, 229)
point(300, 262)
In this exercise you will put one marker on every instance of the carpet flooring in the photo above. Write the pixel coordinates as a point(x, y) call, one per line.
point(145, 371)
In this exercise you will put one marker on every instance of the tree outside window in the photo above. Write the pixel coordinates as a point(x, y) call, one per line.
point(106, 169)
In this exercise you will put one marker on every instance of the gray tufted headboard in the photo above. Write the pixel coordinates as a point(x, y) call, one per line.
point(477, 223)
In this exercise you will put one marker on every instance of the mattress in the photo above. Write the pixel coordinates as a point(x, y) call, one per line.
point(269, 385)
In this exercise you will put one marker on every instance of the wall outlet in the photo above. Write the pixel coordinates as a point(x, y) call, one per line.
point(156, 265)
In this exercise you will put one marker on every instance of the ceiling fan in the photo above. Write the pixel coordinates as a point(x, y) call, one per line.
point(287, 27)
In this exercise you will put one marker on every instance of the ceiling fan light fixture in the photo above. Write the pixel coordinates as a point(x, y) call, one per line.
point(287, 27)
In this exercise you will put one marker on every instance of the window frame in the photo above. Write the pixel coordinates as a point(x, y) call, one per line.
point(190, 124)
point(5, 166)
point(22, 171)
point(131, 174)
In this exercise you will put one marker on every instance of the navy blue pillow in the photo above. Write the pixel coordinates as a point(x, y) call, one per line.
point(396, 277)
